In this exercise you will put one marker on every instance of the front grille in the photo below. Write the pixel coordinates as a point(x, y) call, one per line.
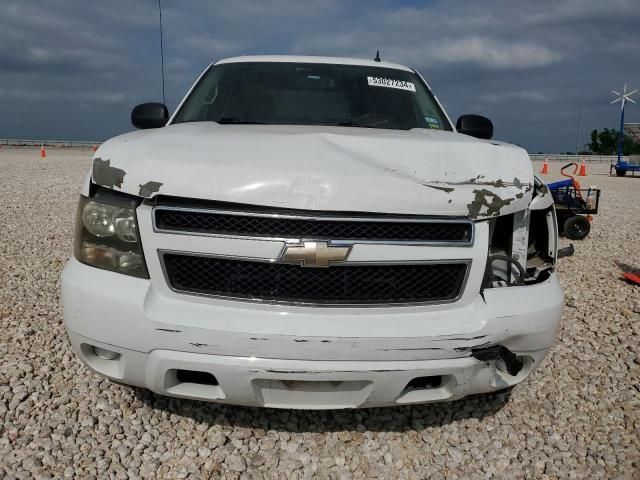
point(340, 284)
point(274, 226)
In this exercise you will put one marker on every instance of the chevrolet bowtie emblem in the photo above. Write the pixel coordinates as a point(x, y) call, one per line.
point(314, 254)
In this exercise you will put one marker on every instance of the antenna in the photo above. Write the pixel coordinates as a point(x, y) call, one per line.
point(161, 52)
point(623, 98)
point(377, 59)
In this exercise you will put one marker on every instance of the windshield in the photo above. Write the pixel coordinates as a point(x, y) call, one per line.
point(312, 94)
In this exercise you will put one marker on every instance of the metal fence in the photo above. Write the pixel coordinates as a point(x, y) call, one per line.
point(576, 158)
point(24, 142)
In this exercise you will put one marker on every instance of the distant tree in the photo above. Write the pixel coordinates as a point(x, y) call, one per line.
point(606, 143)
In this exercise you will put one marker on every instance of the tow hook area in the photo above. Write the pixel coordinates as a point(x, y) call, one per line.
point(505, 359)
point(566, 251)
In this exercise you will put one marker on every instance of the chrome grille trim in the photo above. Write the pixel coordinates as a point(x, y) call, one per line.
point(311, 216)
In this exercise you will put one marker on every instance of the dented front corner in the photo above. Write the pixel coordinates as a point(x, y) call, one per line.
point(499, 199)
point(523, 244)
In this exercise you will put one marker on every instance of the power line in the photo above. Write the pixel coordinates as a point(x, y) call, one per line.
point(161, 52)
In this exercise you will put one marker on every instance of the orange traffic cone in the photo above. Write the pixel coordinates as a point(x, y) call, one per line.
point(545, 167)
point(43, 153)
point(583, 169)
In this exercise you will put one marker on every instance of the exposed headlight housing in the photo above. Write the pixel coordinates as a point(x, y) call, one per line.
point(523, 245)
point(107, 234)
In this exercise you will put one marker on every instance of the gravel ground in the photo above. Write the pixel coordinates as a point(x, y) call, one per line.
point(577, 416)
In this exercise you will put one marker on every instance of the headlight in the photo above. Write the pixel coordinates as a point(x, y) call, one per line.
point(107, 235)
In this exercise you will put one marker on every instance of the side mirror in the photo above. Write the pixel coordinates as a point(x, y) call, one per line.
point(475, 125)
point(150, 115)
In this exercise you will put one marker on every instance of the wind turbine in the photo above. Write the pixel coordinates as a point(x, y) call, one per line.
point(622, 98)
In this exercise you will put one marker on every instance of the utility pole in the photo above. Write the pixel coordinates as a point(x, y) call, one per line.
point(578, 134)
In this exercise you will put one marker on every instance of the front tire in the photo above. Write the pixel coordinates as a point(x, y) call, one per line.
point(621, 172)
point(576, 227)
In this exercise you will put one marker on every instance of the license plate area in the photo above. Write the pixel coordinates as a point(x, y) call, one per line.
point(312, 394)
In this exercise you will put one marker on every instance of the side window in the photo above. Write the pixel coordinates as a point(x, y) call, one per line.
point(201, 99)
point(431, 116)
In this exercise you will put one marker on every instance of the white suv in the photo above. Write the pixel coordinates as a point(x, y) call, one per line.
point(310, 232)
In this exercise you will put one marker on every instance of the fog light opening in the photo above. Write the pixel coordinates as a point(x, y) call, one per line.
point(425, 383)
point(105, 354)
point(197, 377)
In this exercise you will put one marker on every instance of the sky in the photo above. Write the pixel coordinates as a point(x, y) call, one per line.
point(72, 70)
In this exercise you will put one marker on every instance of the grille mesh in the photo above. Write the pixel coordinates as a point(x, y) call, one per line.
point(344, 284)
point(260, 226)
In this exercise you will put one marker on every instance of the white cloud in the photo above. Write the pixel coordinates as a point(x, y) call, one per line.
point(495, 54)
point(30, 95)
point(526, 95)
point(207, 44)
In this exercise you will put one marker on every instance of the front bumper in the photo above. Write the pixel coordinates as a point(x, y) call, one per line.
point(302, 357)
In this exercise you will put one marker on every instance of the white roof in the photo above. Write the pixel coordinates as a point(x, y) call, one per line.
point(313, 59)
point(633, 129)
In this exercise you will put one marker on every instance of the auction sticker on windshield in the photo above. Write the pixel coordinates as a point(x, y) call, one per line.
point(391, 83)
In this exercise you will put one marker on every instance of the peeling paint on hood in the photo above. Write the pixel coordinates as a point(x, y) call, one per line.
point(419, 171)
point(149, 188)
point(106, 175)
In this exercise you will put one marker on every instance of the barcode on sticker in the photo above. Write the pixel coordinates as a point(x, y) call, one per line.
point(391, 83)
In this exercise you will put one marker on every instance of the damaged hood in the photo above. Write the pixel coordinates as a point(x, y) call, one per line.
point(426, 172)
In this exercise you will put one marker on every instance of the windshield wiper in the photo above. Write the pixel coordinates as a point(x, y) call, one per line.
point(237, 121)
point(352, 124)
point(348, 124)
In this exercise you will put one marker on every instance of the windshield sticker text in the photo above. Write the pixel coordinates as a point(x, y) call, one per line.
point(391, 83)
point(432, 122)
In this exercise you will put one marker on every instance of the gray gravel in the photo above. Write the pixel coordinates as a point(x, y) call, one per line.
point(578, 416)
